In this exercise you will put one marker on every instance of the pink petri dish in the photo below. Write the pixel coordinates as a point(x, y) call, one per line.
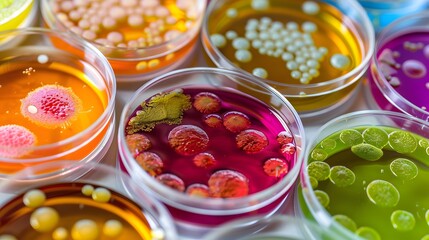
point(399, 77)
point(228, 155)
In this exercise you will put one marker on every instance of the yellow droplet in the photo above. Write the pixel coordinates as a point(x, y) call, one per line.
point(141, 65)
point(44, 219)
point(153, 63)
point(34, 198)
point(112, 228)
point(60, 234)
point(87, 190)
point(169, 56)
point(85, 229)
point(101, 195)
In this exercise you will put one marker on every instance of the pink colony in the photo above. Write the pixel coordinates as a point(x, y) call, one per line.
point(51, 106)
point(15, 141)
point(228, 184)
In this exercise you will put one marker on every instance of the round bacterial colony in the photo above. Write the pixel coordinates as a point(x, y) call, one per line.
point(74, 211)
point(274, 39)
point(208, 144)
point(383, 170)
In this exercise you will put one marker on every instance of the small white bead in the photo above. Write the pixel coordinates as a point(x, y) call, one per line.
point(257, 43)
point(264, 35)
point(291, 65)
point(251, 35)
point(262, 50)
point(266, 20)
point(279, 44)
point(295, 74)
point(231, 12)
point(323, 50)
point(277, 25)
point(317, 55)
point(304, 80)
point(310, 8)
point(313, 72)
point(218, 40)
point(287, 56)
point(288, 40)
point(270, 52)
point(269, 44)
point(42, 58)
point(313, 63)
point(309, 27)
point(231, 35)
point(240, 43)
point(260, 72)
point(275, 36)
point(291, 48)
point(292, 26)
point(243, 55)
point(340, 61)
point(299, 60)
point(303, 68)
point(260, 4)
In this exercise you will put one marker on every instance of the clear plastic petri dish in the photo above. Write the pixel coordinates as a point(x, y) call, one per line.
point(209, 147)
point(362, 176)
point(55, 104)
point(399, 79)
point(382, 13)
point(277, 227)
point(141, 39)
point(94, 206)
point(313, 52)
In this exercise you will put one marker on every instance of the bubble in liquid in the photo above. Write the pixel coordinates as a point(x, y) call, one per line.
point(382, 193)
point(137, 143)
point(251, 141)
point(85, 229)
point(376, 137)
point(275, 167)
point(44, 219)
point(150, 162)
point(228, 184)
point(206, 102)
point(204, 160)
point(51, 106)
point(236, 121)
point(402, 220)
point(342, 176)
point(367, 151)
point(171, 181)
point(319, 154)
point(188, 139)
point(414, 68)
point(404, 169)
point(402, 142)
point(319, 170)
point(368, 233)
point(322, 197)
point(15, 141)
point(284, 137)
point(351, 137)
point(213, 120)
point(198, 190)
point(346, 222)
point(34, 198)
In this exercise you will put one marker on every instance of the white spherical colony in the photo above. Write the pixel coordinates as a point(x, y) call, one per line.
point(260, 72)
point(309, 27)
point(295, 74)
point(85, 229)
point(310, 7)
point(340, 61)
point(218, 40)
point(260, 4)
point(292, 26)
point(231, 35)
point(287, 56)
point(251, 35)
point(34, 198)
point(257, 43)
point(291, 65)
point(240, 43)
point(243, 55)
point(42, 58)
point(231, 12)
